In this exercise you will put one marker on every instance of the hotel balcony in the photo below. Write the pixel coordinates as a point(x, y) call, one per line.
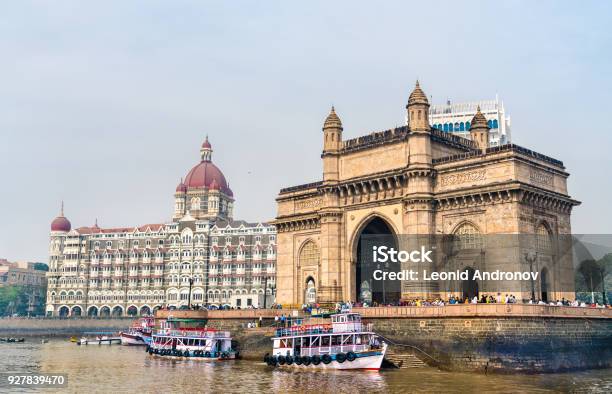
point(146, 260)
point(133, 260)
point(106, 274)
point(159, 259)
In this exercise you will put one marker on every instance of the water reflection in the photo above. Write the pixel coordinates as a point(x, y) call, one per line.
point(99, 368)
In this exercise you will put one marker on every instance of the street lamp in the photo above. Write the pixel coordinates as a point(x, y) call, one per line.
point(189, 300)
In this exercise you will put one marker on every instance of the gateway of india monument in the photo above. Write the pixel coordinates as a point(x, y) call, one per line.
point(416, 182)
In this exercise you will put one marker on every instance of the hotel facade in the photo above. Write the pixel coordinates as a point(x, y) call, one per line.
point(202, 257)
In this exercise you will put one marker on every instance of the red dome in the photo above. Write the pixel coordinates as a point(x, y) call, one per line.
point(60, 223)
point(203, 175)
point(206, 144)
point(181, 188)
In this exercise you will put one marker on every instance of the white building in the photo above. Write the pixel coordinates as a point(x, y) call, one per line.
point(456, 117)
point(202, 257)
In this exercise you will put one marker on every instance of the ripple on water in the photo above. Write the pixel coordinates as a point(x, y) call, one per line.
point(100, 368)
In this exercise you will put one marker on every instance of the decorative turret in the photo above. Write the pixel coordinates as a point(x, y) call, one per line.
point(206, 150)
point(181, 187)
point(479, 130)
point(418, 110)
point(332, 132)
point(332, 144)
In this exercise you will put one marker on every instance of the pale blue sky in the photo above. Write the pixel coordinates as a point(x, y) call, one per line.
point(104, 105)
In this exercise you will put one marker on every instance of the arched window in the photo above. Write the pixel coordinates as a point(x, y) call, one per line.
point(490, 123)
point(495, 124)
point(543, 241)
point(467, 125)
point(467, 236)
point(462, 126)
point(309, 255)
point(457, 127)
point(446, 127)
point(450, 127)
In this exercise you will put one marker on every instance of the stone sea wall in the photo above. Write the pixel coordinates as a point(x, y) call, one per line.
point(19, 327)
point(482, 338)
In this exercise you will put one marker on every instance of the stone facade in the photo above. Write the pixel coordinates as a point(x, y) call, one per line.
point(417, 180)
point(201, 257)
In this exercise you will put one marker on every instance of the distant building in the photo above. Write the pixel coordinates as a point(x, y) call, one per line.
point(31, 280)
point(455, 118)
point(21, 273)
point(202, 257)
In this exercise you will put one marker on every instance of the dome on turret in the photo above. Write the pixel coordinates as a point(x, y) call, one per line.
point(60, 223)
point(417, 96)
point(206, 175)
point(181, 187)
point(332, 121)
point(479, 121)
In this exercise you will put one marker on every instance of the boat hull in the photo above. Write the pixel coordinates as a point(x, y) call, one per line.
point(231, 356)
point(132, 340)
point(370, 361)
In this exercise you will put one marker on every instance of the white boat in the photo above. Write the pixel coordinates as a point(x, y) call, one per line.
point(179, 338)
point(344, 344)
point(100, 340)
point(139, 334)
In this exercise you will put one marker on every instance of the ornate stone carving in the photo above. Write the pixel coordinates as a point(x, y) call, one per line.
point(306, 204)
point(456, 179)
point(541, 177)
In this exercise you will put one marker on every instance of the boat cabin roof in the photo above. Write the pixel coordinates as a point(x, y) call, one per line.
point(346, 317)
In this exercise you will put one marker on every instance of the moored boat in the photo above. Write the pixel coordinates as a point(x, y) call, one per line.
point(139, 333)
point(346, 343)
point(185, 338)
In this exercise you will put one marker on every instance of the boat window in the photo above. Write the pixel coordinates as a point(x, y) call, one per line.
point(335, 340)
point(325, 341)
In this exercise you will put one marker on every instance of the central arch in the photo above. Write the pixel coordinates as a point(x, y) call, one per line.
point(375, 232)
point(469, 287)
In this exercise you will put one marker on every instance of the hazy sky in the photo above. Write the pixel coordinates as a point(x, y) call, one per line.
point(105, 105)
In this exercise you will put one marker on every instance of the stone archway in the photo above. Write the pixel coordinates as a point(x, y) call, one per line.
point(145, 311)
point(117, 311)
point(376, 232)
point(93, 311)
point(76, 311)
point(132, 310)
point(544, 290)
point(310, 296)
point(64, 311)
point(469, 287)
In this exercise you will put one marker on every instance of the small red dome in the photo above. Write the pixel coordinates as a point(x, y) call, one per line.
point(204, 174)
point(181, 188)
point(60, 223)
point(206, 144)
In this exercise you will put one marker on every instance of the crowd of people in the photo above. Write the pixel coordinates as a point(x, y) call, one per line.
point(454, 300)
